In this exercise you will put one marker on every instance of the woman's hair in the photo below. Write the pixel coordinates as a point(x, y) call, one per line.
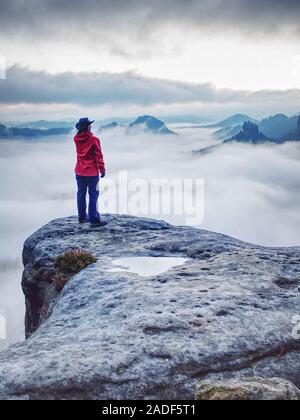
point(82, 128)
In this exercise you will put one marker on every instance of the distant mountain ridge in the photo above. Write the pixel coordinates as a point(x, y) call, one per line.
point(109, 126)
point(12, 132)
point(145, 123)
point(237, 119)
point(273, 129)
point(250, 133)
point(45, 125)
point(277, 127)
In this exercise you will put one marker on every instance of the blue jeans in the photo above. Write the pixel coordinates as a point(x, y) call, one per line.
point(90, 184)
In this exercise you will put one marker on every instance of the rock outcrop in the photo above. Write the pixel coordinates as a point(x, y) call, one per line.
point(278, 127)
point(249, 134)
point(149, 124)
point(256, 389)
point(226, 313)
point(294, 135)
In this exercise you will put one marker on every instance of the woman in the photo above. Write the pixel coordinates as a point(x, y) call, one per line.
point(89, 163)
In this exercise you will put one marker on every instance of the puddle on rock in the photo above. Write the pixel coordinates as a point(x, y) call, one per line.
point(146, 266)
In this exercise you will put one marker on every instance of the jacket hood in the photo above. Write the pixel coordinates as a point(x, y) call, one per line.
point(83, 136)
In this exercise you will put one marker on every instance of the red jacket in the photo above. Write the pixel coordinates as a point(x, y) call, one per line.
point(89, 155)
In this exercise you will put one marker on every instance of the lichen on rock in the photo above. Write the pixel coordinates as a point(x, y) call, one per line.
point(248, 389)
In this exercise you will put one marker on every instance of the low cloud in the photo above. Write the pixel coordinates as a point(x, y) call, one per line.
point(95, 89)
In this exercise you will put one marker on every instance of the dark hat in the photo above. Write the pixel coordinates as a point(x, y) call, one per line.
point(83, 122)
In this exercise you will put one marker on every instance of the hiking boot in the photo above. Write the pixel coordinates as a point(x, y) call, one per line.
point(98, 224)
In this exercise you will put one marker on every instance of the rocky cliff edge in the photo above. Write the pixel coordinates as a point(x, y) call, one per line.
point(226, 313)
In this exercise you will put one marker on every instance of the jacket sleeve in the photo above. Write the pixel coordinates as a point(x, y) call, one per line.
point(99, 156)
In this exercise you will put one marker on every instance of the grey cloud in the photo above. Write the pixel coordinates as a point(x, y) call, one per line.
point(39, 87)
point(139, 19)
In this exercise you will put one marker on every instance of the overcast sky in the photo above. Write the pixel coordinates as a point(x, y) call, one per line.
point(170, 56)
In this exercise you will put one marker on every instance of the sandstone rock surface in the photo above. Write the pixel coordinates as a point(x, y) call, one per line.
point(226, 313)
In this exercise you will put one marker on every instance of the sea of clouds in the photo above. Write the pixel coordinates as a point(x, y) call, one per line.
point(251, 192)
